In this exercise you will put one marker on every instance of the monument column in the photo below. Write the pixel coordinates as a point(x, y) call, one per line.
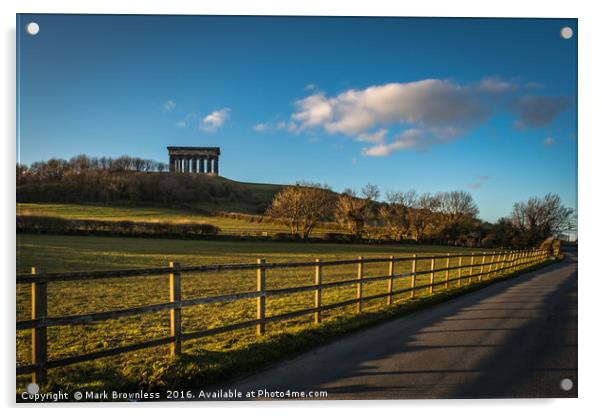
point(209, 165)
point(216, 166)
point(202, 164)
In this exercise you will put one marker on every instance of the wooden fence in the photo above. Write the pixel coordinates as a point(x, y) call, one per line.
point(492, 264)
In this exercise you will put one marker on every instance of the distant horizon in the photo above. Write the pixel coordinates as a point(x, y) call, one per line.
point(482, 105)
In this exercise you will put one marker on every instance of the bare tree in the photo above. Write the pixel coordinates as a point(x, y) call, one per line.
point(396, 212)
point(300, 208)
point(370, 192)
point(424, 216)
point(352, 212)
point(457, 204)
point(539, 218)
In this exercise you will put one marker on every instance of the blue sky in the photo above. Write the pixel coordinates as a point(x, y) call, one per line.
point(483, 105)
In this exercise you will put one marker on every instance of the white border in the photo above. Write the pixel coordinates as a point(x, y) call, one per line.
point(590, 69)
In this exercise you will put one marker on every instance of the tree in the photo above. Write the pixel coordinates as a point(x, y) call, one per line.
point(370, 192)
point(458, 214)
point(456, 205)
point(396, 213)
point(502, 234)
point(301, 207)
point(352, 212)
point(423, 215)
point(539, 218)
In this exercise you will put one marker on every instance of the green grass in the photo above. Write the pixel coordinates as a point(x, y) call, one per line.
point(141, 214)
point(151, 368)
point(147, 214)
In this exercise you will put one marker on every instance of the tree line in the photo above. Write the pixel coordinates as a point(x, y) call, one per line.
point(442, 218)
point(124, 180)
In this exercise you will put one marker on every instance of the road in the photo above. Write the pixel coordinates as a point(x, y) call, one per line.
point(516, 338)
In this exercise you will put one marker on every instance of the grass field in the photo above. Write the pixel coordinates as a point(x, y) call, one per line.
point(71, 253)
point(142, 214)
point(148, 214)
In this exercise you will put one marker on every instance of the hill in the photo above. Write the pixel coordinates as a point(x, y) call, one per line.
point(200, 193)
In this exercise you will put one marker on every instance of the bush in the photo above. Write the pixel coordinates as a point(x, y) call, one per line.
point(56, 225)
point(341, 237)
point(284, 237)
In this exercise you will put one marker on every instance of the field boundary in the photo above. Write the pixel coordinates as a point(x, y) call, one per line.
point(496, 266)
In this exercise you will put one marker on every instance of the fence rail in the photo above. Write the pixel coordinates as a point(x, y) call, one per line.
point(497, 264)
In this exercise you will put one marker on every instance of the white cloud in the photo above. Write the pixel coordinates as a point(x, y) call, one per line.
point(215, 120)
point(376, 137)
point(414, 138)
point(432, 102)
point(168, 106)
point(181, 124)
point(261, 127)
point(432, 111)
point(310, 87)
point(549, 141)
point(273, 126)
point(496, 85)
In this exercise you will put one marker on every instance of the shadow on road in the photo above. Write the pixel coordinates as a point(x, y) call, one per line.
point(517, 338)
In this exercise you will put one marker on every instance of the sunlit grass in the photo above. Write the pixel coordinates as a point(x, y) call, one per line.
point(70, 253)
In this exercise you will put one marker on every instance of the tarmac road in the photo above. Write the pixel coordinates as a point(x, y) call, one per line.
point(516, 338)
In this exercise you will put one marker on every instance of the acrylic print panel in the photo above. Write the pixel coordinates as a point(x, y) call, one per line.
point(243, 208)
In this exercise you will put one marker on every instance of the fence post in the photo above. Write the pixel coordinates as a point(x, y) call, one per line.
point(413, 275)
point(512, 261)
point(318, 291)
point(39, 310)
point(460, 271)
point(471, 268)
point(490, 266)
point(482, 267)
point(498, 265)
point(391, 274)
point(520, 260)
point(261, 298)
point(360, 276)
point(495, 258)
point(447, 271)
point(175, 312)
point(432, 275)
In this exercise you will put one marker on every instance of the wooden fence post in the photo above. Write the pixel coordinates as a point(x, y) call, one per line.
point(447, 271)
point(490, 266)
point(521, 259)
point(460, 271)
point(261, 298)
point(495, 258)
point(413, 276)
point(39, 310)
point(360, 276)
point(175, 312)
point(391, 274)
point(498, 265)
point(513, 262)
point(482, 267)
point(471, 268)
point(432, 287)
point(318, 291)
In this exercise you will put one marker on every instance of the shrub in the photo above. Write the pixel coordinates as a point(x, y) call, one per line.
point(56, 225)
